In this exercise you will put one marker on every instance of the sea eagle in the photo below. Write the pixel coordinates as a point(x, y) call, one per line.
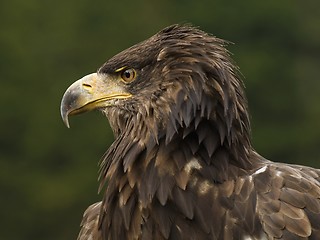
point(182, 165)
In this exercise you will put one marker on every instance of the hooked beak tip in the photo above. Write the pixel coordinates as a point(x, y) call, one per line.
point(65, 116)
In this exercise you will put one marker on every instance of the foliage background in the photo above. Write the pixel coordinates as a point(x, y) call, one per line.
point(48, 173)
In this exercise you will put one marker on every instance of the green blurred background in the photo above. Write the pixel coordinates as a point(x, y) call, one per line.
point(48, 173)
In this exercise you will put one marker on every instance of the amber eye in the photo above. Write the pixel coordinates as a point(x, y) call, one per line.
point(128, 75)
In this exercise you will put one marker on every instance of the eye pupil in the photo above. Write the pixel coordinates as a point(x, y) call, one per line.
point(128, 75)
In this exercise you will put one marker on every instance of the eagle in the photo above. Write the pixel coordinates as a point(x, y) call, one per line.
point(182, 164)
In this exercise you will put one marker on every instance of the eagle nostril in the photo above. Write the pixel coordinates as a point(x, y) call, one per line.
point(86, 86)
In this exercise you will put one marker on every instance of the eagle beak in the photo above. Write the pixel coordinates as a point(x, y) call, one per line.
point(90, 92)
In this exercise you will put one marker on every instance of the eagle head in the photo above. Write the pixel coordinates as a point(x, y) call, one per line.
point(173, 80)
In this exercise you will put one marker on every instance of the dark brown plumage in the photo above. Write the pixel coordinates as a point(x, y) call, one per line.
point(182, 165)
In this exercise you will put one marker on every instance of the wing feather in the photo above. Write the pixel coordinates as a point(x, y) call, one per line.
point(89, 224)
point(289, 203)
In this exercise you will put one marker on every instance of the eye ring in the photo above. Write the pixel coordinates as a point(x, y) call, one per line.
point(128, 75)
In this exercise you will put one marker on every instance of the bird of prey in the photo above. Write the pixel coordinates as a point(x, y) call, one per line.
point(182, 165)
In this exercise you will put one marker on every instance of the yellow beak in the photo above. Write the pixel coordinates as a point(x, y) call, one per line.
point(91, 92)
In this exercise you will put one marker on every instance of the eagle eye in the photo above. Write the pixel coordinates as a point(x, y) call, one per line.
point(128, 75)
